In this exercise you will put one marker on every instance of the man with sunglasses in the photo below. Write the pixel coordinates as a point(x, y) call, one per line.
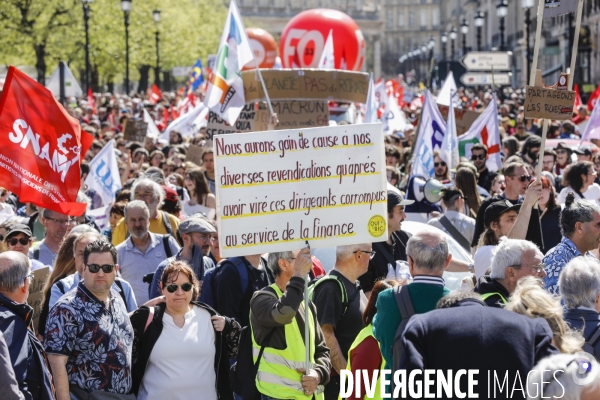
point(479, 156)
point(19, 239)
point(89, 337)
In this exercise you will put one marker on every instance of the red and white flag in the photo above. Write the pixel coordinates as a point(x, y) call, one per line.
point(593, 99)
point(91, 101)
point(156, 94)
point(42, 146)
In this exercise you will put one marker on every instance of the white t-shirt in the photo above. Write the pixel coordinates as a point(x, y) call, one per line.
point(592, 193)
point(191, 209)
point(483, 259)
point(181, 365)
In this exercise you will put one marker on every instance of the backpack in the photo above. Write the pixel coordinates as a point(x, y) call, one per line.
point(591, 341)
point(407, 310)
point(312, 286)
point(208, 286)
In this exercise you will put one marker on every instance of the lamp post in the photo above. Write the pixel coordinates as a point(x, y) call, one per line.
point(527, 5)
point(502, 11)
point(452, 39)
point(444, 40)
point(417, 54)
point(479, 21)
point(156, 16)
point(464, 29)
point(86, 20)
point(126, 7)
point(431, 46)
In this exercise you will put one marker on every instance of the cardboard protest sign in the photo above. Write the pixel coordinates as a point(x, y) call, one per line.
point(278, 189)
point(294, 114)
point(36, 292)
point(464, 118)
point(307, 84)
point(553, 102)
point(245, 122)
point(194, 154)
point(135, 131)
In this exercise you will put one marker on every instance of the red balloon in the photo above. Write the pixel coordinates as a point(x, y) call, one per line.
point(264, 47)
point(304, 37)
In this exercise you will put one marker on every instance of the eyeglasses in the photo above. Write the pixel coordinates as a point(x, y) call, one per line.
point(62, 221)
point(204, 238)
point(561, 151)
point(30, 276)
point(536, 268)
point(106, 268)
point(593, 173)
point(437, 164)
point(520, 127)
point(522, 178)
point(14, 241)
point(172, 288)
point(370, 253)
point(475, 157)
point(214, 239)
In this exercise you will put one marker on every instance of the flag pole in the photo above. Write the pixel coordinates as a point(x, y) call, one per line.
point(536, 52)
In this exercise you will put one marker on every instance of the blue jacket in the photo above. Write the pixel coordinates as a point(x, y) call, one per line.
point(26, 352)
point(585, 321)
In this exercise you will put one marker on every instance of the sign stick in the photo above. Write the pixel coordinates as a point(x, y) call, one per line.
point(575, 45)
point(306, 319)
point(536, 46)
point(538, 169)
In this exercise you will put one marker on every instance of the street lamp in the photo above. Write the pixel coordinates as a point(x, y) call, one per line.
point(502, 11)
point(126, 7)
point(431, 46)
point(452, 39)
point(156, 16)
point(444, 39)
point(479, 21)
point(527, 4)
point(464, 29)
point(86, 20)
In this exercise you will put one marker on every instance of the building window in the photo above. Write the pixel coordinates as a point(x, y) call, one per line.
point(423, 18)
point(400, 20)
point(435, 17)
point(390, 21)
point(411, 19)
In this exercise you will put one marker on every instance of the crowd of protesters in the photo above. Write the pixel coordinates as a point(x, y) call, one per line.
point(147, 308)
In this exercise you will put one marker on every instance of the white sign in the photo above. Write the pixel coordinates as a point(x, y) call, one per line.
point(104, 175)
point(485, 79)
point(485, 60)
point(278, 189)
point(178, 72)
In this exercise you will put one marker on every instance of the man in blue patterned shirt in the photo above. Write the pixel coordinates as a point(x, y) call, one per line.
point(580, 227)
point(88, 334)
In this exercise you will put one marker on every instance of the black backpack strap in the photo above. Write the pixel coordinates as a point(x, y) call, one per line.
point(404, 302)
point(594, 337)
point(381, 248)
point(121, 291)
point(166, 245)
point(167, 223)
point(60, 286)
point(459, 237)
point(36, 254)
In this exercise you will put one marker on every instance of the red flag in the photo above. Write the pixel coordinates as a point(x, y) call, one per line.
point(42, 146)
point(593, 98)
point(156, 94)
point(578, 102)
point(91, 101)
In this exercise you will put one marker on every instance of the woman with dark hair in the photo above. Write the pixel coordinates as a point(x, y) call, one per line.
point(364, 353)
point(550, 215)
point(156, 158)
point(181, 348)
point(466, 181)
point(510, 146)
point(579, 179)
point(201, 199)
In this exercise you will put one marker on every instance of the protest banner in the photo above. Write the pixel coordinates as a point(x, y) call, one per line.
point(554, 102)
point(36, 292)
point(294, 114)
point(104, 177)
point(278, 189)
point(464, 118)
point(194, 154)
point(307, 84)
point(135, 131)
point(245, 122)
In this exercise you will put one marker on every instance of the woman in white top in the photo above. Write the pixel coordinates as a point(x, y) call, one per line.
point(201, 199)
point(579, 179)
point(182, 348)
point(6, 210)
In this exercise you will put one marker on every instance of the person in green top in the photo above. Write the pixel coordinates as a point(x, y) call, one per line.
point(428, 257)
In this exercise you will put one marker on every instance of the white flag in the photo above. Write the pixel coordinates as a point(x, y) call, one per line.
point(185, 124)
point(393, 119)
point(448, 92)
point(430, 137)
point(72, 88)
point(380, 93)
point(592, 130)
point(371, 106)
point(225, 93)
point(104, 175)
point(484, 130)
point(152, 131)
point(449, 149)
point(327, 60)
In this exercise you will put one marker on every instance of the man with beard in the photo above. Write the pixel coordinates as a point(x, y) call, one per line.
point(143, 251)
point(479, 156)
point(440, 167)
point(531, 150)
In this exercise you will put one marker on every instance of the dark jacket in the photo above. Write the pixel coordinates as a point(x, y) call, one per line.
point(551, 228)
point(489, 285)
point(268, 313)
point(470, 336)
point(144, 341)
point(27, 355)
point(586, 322)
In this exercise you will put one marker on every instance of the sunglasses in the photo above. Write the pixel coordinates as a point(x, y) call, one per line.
point(106, 268)
point(172, 288)
point(475, 157)
point(437, 164)
point(14, 241)
point(522, 178)
point(561, 151)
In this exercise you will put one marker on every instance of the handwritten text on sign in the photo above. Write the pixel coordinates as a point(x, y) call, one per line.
point(276, 190)
point(548, 103)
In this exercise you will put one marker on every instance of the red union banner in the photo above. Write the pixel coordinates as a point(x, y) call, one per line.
point(42, 146)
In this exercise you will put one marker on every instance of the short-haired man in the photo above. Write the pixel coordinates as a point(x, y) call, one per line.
point(342, 321)
point(514, 259)
point(479, 156)
point(208, 164)
point(549, 161)
point(143, 251)
point(57, 227)
point(392, 156)
point(281, 305)
point(196, 236)
point(153, 195)
point(580, 290)
point(428, 258)
point(580, 227)
point(26, 352)
point(97, 317)
point(454, 202)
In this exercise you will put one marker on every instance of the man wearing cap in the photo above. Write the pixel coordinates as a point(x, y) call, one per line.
point(392, 250)
point(453, 199)
point(479, 156)
point(563, 158)
point(584, 153)
point(196, 234)
point(20, 239)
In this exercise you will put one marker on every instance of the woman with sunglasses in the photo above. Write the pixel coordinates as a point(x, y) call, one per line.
point(181, 348)
point(20, 239)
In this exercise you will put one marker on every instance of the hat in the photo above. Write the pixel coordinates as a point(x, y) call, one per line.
point(563, 145)
point(498, 208)
point(193, 224)
point(170, 194)
point(394, 199)
point(18, 228)
point(583, 151)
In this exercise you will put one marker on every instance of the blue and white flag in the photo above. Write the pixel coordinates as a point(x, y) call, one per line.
point(104, 175)
point(393, 118)
point(449, 150)
point(430, 137)
point(371, 113)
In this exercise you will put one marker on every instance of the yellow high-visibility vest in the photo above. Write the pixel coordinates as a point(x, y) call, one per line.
point(366, 332)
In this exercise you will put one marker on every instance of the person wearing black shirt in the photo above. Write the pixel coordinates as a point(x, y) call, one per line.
point(479, 156)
